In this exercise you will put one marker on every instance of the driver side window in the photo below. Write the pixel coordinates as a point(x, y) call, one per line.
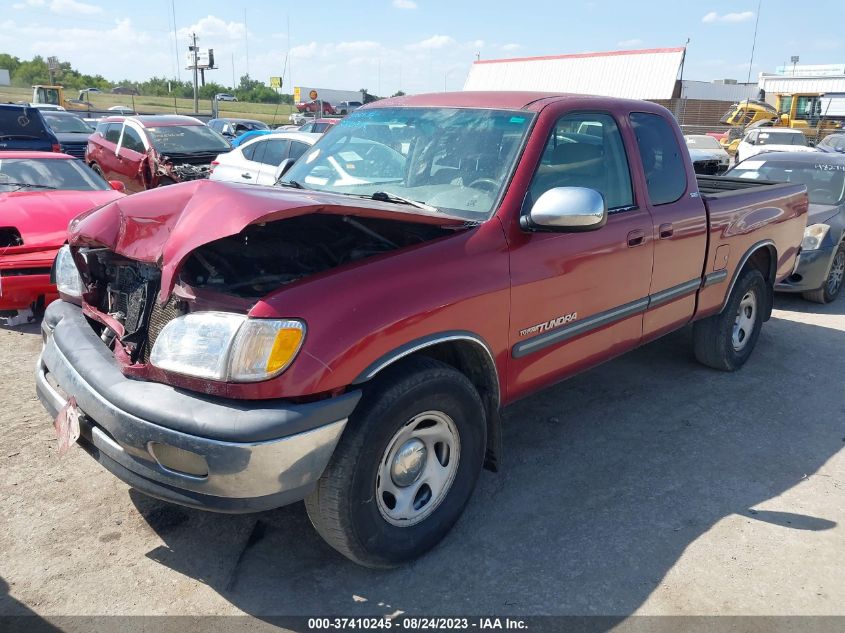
point(585, 150)
point(132, 140)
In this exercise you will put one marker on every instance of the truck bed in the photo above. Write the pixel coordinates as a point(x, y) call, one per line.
point(723, 186)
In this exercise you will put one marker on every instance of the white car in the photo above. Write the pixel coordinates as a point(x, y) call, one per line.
point(256, 161)
point(707, 146)
point(769, 139)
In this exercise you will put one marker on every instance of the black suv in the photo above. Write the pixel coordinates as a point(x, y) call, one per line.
point(23, 128)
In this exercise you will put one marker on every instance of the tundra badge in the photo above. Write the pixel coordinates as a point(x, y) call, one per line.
point(549, 325)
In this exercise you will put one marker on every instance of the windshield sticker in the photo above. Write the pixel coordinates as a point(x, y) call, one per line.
point(750, 174)
point(828, 167)
point(517, 119)
point(349, 156)
point(753, 164)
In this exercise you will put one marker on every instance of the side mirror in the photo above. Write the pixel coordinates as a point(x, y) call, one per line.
point(566, 210)
point(117, 185)
point(283, 168)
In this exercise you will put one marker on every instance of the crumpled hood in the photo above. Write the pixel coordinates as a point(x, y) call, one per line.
point(42, 217)
point(163, 226)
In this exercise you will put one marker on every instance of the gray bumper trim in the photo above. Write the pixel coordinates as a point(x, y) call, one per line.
point(243, 476)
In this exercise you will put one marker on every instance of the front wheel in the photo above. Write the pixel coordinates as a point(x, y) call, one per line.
point(405, 466)
point(833, 283)
point(725, 341)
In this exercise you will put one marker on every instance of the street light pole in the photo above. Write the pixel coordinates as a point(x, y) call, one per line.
point(194, 49)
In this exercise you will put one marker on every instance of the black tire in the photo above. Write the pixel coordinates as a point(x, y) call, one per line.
point(344, 508)
point(96, 169)
point(832, 285)
point(164, 181)
point(713, 337)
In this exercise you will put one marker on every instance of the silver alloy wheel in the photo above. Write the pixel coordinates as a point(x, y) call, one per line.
point(418, 468)
point(744, 323)
point(837, 272)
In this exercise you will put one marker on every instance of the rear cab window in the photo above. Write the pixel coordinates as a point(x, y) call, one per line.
point(661, 157)
point(22, 122)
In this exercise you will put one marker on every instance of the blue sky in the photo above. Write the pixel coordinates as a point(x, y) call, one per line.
point(415, 45)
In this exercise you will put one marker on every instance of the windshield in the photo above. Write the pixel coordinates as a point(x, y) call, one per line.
point(825, 181)
point(66, 124)
point(703, 142)
point(457, 160)
point(186, 138)
point(50, 173)
point(781, 138)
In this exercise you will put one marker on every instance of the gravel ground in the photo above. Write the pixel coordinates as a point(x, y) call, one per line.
point(649, 485)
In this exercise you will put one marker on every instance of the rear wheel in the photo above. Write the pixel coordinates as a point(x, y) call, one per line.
point(96, 169)
point(405, 466)
point(833, 284)
point(725, 341)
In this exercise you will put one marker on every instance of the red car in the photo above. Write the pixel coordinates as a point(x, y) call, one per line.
point(349, 336)
point(318, 126)
point(40, 193)
point(144, 152)
point(314, 106)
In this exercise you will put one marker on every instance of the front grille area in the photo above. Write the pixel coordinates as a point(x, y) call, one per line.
point(707, 167)
point(77, 150)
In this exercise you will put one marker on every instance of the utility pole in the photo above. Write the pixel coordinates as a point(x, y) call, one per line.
point(176, 41)
point(195, 50)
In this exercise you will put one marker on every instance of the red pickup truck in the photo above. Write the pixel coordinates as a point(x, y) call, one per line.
point(350, 336)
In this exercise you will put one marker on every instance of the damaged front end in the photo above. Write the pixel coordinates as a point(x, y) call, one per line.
point(183, 167)
point(129, 300)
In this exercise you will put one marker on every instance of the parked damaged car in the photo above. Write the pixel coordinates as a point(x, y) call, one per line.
point(144, 152)
point(40, 193)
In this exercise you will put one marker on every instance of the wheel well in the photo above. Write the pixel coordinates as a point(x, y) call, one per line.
point(474, 361)
point(765, 260)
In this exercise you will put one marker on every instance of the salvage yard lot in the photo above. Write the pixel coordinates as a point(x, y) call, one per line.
point(267, 112)
point(649, 485)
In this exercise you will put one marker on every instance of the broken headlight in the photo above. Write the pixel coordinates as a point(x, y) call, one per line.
point(227, 347)
point(66, 274)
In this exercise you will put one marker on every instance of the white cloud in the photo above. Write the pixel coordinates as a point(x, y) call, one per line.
point(728, 17)
point(404, 4)
point(71, 7)
point(304, 51)
point(511, 47)
point(827, 45)
point(432, 43)
point(629, 43)
point(213, 29)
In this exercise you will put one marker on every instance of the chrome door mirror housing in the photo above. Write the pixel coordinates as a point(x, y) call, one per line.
point(283, 168)
point(566, 210)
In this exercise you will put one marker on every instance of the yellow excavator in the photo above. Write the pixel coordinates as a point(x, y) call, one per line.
point(802, 111)
point(55, 95)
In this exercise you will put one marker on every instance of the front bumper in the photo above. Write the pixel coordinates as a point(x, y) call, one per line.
point(811, 271)
point(257, 455)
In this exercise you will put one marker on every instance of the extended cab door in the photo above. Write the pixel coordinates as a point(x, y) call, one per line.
point(130, 156)
point(679, 231)
point(578, 298)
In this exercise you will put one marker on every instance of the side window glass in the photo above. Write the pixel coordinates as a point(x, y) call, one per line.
point(132, 140)
point(585, 150)
point(275, 151)
point(297, 149)
point(112, 134)
point(661, 157)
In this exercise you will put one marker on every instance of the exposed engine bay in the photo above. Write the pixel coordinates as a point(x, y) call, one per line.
point(183, 167)
point(261, 258)
point(256, 261)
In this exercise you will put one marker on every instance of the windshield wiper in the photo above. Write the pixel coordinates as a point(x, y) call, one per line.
point(386, 196)
point(290, 183)
point(24, 184)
